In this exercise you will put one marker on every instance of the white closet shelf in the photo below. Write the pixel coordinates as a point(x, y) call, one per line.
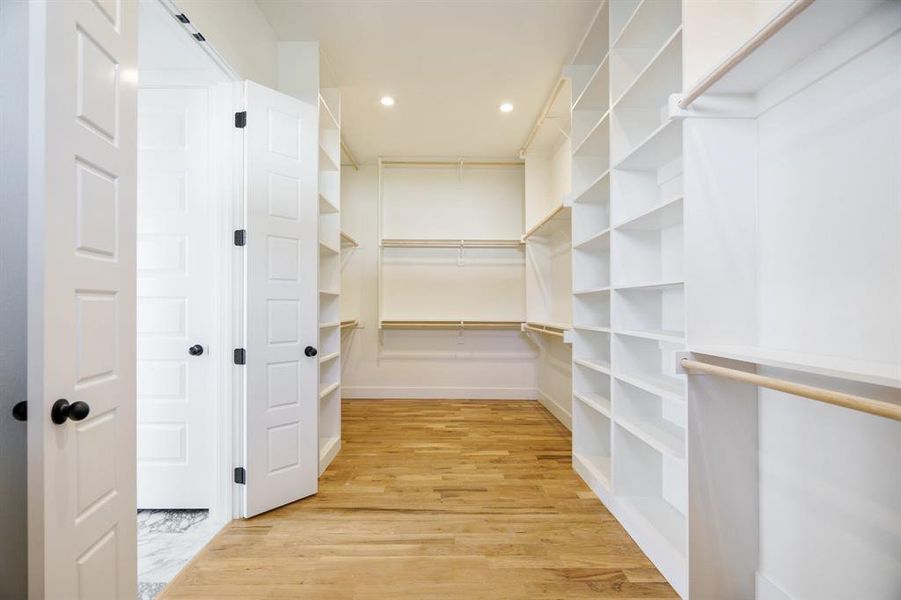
point(594, 192)
point(592, 328)
point(328, 446)
point(346, 240)
point(555, 329)
point(323, 392)
point(598, 241)
point(662, 146)
point(655, 383)
point(326, 206)
point(594, 365)
point(329, 324)
point(449, 243)
point(650, 285)
point(871, 372)
point(326, 162)
point(426, 324)
point(552, 222)
point(793, 34)
point(324, 246)
point(594, 290)
point(659, 434)
point(329, 293)
point(327, 118)
point(596, 141)
point(595, 96)
point(645, 23)
point(595, 402)
point(660, 216)
point(650, 89)
point(663, 518)
point(660, 335)
point(597, 466)
point(329, 357)
point(349, 324)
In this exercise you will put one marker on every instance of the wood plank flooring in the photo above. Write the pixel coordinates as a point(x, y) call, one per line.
point(434, 499)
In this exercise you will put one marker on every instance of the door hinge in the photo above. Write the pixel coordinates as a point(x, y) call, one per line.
point(240, 356)
point(240, 475)
point(241, 119)
point(183, 18)
point(199, 37)
point(240, 237)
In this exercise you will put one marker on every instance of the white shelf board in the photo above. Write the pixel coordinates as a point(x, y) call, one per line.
point(650, 285)
point(323, 392)
point(875, 373)
point(556, 220)
point(326, 162)
point(594, 365)
point(596, 141)
point(596, 94)
point(598, 241)
point(328, 449)
point(326, 206)
point(593, 191)
point(595, 402)
point(660, 216)
point(326, 115)
point(327, 248)
point(329, 293)
point(659, 434)
point(655, 383)
point(660, 335)
point(662, 517)
point(592, 328)
point(660, 147)
point(329, 324)
point(672, 44)
point(329, 357)
point(595, 290)
point(752, 65)
point(597, 466)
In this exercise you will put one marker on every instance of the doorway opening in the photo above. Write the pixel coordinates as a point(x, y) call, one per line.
point(184, 427)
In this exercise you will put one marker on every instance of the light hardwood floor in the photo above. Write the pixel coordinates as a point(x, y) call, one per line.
point(434, 499)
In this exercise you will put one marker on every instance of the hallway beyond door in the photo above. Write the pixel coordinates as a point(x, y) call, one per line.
point(434, 499)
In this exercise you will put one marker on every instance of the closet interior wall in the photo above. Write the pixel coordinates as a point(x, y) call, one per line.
point(437, 282)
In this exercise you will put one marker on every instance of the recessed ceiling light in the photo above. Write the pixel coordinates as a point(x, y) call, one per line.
point(506, 107)
point(387, 101)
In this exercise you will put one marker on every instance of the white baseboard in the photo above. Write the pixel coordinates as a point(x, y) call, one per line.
point(767, 590)
point(438, 393)
point(555, 409)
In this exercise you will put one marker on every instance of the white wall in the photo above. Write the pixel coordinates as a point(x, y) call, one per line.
point(13, 166)
point(240, 32)
point(415, 364)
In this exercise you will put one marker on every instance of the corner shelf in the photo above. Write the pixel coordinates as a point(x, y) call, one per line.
point(552, 222)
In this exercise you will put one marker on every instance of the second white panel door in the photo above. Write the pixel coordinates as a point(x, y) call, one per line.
point(175, 375)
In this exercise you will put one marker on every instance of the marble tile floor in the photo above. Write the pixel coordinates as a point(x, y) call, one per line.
point(167, 540)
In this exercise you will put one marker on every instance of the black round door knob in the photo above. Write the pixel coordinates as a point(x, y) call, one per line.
point(310, 351)
point(20, 411)
point(62, 410)
point(195, 350)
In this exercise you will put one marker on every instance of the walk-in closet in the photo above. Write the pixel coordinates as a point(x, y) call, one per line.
point(532, 299)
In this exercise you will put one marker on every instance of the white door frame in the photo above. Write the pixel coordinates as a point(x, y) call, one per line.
point(226, 186)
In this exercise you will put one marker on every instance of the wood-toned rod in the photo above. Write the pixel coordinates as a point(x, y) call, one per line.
point(544, 114)
point(445, 243)
point(768, 31)
point(544, 330)
point(450, 324)
point(452, 163)
point(880, 408)
point(349, 323)
point(541, 223)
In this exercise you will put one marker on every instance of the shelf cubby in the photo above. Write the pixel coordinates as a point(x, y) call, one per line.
point(593, 346)
point(647, 255)
point(649, 365)
point(651, 485)
point(591, 441)
point(591, 309)
point(329, 340)
point(591, 268)
point(657, 421)
point(595, 95)
point(646, 31)
point(651, 313)
point(328, 307)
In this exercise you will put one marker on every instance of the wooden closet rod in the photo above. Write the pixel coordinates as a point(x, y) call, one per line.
point(544, 113)
point(768, 31)
point(544, 329)
point(889, 410)
point(452, 163)
point(450, 324)
point(542, 222)
point(349, 323)
point(446, 243)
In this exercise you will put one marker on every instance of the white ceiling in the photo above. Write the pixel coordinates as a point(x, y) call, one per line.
point(449, 64)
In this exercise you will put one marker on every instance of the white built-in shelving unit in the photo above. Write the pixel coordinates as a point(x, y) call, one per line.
point(629, 410)
point(331, 243)
point(450, 253)
point(548, 243)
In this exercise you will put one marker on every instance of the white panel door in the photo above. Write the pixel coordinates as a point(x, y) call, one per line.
point(176, 384)
point(282, 304)
point(81, 299)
